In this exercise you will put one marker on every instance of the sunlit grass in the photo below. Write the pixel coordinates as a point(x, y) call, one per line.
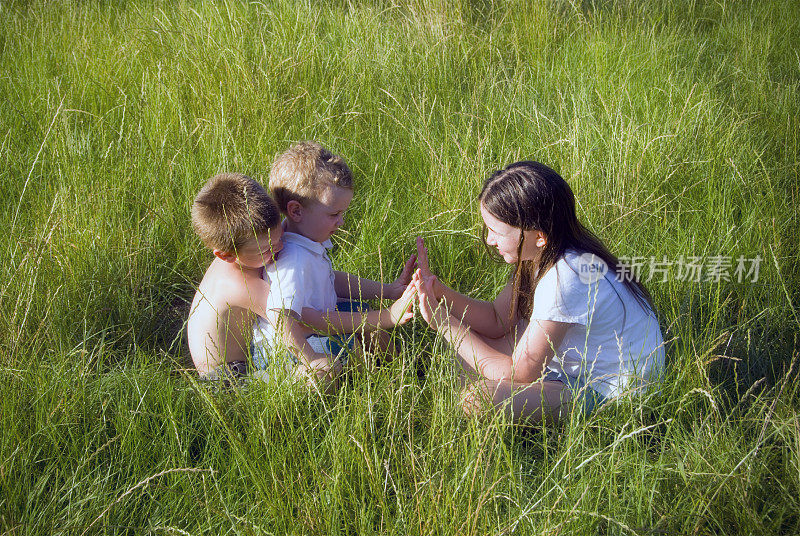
point(676, 123)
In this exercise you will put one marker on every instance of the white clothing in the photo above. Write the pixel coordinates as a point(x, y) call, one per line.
point(614, 342)
point(301, 276)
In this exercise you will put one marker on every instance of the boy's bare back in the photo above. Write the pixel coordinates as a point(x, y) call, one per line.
point(239, 222)
point(222, 313)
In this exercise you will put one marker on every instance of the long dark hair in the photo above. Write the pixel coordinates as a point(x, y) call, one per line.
point(532, 197)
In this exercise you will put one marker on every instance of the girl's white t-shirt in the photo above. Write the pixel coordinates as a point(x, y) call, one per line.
point(614, 342)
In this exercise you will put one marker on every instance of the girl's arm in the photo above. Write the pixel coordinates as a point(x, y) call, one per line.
point(492, 319)
point(524, 365)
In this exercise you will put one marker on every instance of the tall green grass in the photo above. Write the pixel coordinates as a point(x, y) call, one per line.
point(675, 122)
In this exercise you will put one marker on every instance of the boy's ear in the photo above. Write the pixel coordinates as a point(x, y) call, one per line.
point(225, 256)
point(294, 211)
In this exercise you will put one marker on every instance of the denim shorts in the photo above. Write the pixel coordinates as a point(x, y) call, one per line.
point(334, 345)
point(584, 397)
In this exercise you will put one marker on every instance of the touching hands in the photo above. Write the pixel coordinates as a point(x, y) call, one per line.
point(433, 312)
point(399, 285)
point(425, 269)
point(402, 310)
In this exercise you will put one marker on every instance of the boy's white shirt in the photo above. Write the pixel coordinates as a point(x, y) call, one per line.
point(301, 276)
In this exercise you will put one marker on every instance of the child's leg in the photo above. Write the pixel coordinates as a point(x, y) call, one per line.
point(531, 402)
point(380, 343)
point(232, 370)
point(322, 374)
point(541, 401)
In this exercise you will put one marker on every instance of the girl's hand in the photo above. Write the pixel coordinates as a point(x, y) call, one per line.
point(398, 286)
point(425, 268)
point(430, 309)
point(402, 310)
point(422, 258)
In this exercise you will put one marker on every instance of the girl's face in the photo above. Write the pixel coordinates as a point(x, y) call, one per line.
point(506, 239)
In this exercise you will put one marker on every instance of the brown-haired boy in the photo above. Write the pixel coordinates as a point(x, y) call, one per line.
point(313, 188)
point(238, 220)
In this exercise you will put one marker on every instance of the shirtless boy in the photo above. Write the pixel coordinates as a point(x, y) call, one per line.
point(240, 223)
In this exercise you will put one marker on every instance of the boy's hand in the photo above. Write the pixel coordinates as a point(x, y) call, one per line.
point(323, 369)
point(324, 364)
point(398, 286)
point(402, 310)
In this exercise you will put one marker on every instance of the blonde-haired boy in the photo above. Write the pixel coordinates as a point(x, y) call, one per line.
point(238, 220)
point(313, 188)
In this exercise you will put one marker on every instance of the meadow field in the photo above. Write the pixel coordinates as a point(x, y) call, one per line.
point(676, 122)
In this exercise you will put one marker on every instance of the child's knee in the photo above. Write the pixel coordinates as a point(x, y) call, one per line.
point(473, 400)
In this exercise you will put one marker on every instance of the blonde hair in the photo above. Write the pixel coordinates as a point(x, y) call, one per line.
point(305, 171)
point(232, 209)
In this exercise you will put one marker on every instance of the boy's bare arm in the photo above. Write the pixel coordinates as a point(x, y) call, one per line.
point(252, 294)
point(337, 322)
point(294, 334)
point(352, 287)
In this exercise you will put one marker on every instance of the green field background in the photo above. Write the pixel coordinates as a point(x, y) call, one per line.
point(677, 124)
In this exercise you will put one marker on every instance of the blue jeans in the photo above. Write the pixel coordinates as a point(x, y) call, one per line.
point(584, 397)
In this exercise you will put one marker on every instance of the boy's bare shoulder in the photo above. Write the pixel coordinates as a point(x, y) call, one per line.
point(225, 284)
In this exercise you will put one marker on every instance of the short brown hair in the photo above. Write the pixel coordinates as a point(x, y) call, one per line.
point(304, 171)
point(230, 210)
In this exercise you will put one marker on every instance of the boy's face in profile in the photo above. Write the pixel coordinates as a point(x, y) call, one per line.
point(261, 250)
point(323, 217)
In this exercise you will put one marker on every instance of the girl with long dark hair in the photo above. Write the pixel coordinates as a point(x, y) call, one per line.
point(570, 326)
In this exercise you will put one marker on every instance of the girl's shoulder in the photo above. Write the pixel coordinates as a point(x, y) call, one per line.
point(566, 270)
point(562, 294)
point(573, 277)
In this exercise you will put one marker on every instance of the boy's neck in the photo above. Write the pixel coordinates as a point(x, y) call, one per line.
point(292, 227)
point(236, 268)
